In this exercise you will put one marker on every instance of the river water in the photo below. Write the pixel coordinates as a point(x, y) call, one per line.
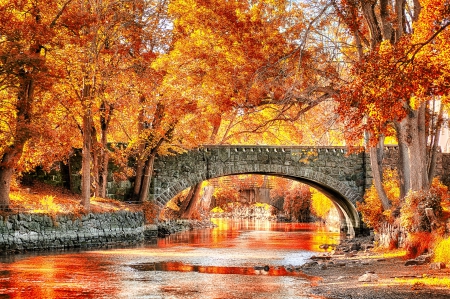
point(236, 259)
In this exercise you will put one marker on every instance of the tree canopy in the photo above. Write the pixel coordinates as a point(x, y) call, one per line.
point(163, 76)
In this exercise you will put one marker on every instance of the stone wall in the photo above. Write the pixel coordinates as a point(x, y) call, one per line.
point(27, 232)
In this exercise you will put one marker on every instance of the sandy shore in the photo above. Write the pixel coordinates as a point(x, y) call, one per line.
point(338, 277)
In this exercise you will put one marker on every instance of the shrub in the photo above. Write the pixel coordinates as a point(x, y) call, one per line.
point(372, 210)
point(413, 211)
point(417, 243)
point(297, 203)
point(440, 190)
point(442, 251)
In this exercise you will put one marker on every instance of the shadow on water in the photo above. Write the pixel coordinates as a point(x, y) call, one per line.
point(182, 267)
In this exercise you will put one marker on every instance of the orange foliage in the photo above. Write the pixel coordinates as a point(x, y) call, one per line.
point(372, 209)
point(225, 195)
point(151, 211)
point(423, 230)
point(418, 243)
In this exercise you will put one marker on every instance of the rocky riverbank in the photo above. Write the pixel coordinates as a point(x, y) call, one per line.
point(366, 274)
point(172, 226)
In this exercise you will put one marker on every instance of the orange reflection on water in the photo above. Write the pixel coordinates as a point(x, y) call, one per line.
point(272, 235)
point(182, 267)
point(55, 277)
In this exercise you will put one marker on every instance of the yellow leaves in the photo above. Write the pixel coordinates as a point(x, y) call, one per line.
point(442, 253)
point(372, 209)
point(321, 205)
point(255, 13)
point(423, 282)
point(414, 102)
point(385, 47)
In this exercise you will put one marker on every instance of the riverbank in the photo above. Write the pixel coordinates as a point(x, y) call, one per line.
point(167, 228)
point(373, 275)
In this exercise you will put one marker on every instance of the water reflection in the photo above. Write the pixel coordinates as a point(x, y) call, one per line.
point(182, 267)
point(185, 265)
point(250, 233)
point(59, 276)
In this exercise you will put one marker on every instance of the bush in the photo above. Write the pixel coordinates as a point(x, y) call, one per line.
point(418, 243)
point(413, 211)
point(372, 210)
point(442, 251)
point(421, 225)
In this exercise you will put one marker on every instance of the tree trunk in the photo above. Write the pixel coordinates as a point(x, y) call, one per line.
point(104, 171)
point(140, 156)
point(138, 179)
point(207, 198)
point(6, 173)
point(403, 166)
point(105, 118)
point(12, 154)
point(95, 169)
point(368, 9)
point(148, 172)
point(86, 161)
point(192, 201)
point(103, 165)
point(376, 160)
point(185, 202)
point(411, 134)
point(434, 144)
point(417, 150)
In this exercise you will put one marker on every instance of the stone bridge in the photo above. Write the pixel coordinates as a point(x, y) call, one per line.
point(342, 177)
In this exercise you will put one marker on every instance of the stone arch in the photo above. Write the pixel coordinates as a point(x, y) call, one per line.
point(337, 191)
point(340, 176)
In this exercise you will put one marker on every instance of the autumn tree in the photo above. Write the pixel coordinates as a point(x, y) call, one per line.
point(100, 84)
point(297, 202)
point(395, 78)
point(30, 32)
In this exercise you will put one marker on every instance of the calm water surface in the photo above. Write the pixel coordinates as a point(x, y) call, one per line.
point(229, 261)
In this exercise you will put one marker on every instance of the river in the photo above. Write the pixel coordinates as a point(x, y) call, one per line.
point(236, 259)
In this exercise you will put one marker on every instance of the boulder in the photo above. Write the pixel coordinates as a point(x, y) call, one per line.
point(368, 277)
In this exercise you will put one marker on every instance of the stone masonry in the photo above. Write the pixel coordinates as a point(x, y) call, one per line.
point(30, 232)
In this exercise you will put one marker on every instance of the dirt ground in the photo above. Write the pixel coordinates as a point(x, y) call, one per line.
point(338, 278)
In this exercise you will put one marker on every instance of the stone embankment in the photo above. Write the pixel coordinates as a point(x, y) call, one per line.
point(31, 232)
